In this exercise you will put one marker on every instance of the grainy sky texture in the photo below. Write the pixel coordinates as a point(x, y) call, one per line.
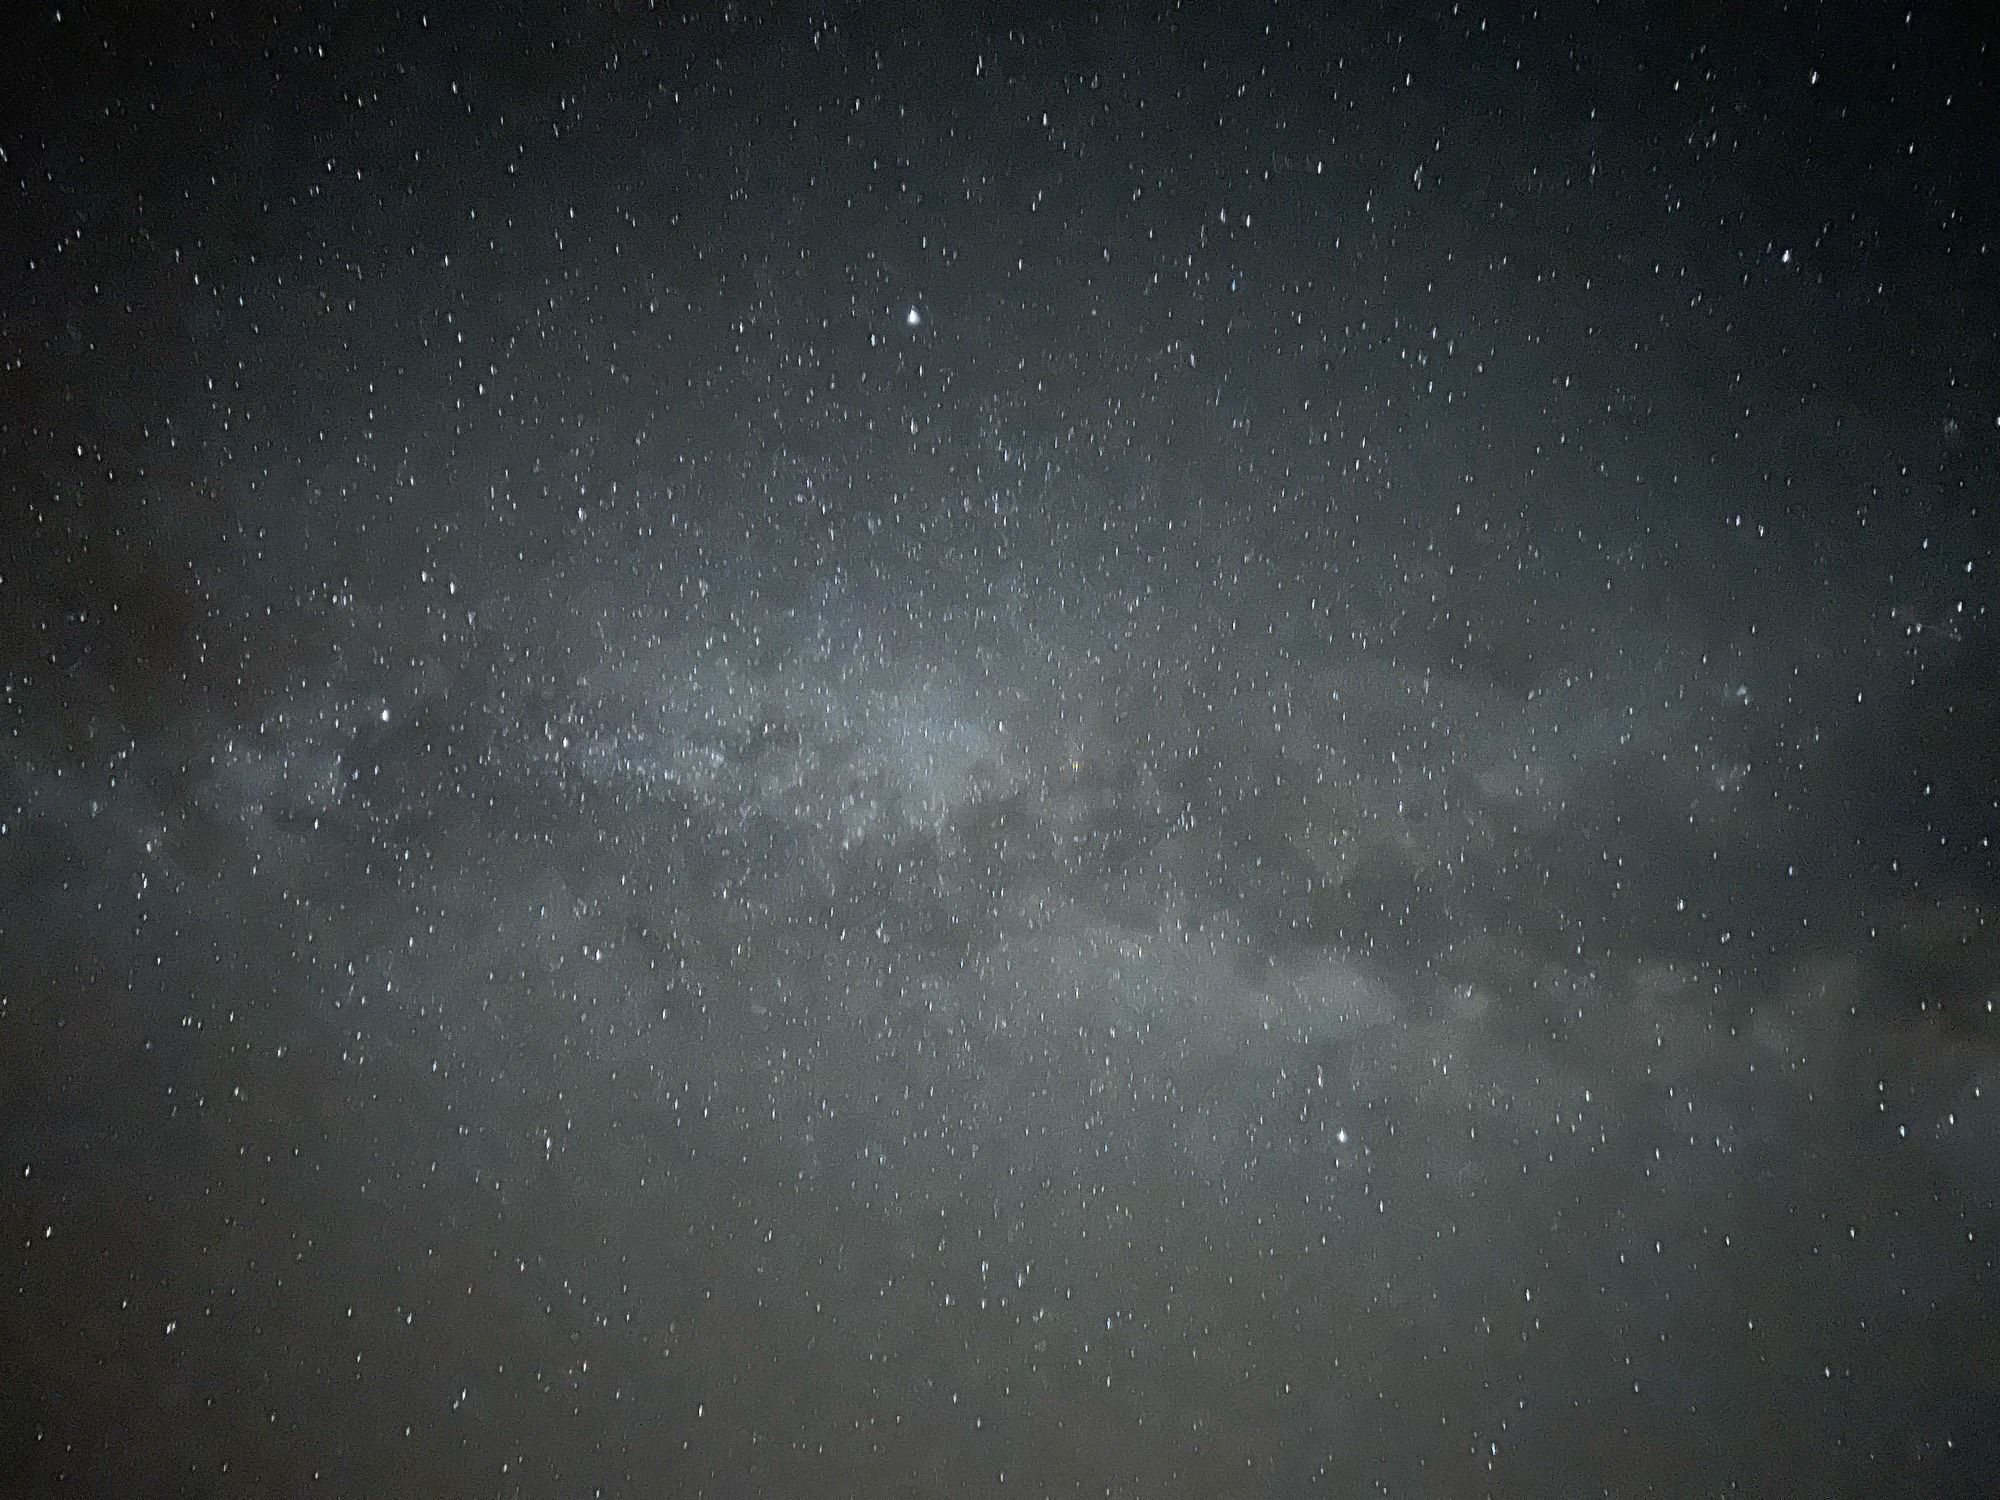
point(857, 750)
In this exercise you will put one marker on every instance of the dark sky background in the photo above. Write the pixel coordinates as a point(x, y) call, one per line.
point(988, 749)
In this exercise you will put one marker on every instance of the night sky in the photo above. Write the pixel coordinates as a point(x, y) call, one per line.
point(855, 750)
